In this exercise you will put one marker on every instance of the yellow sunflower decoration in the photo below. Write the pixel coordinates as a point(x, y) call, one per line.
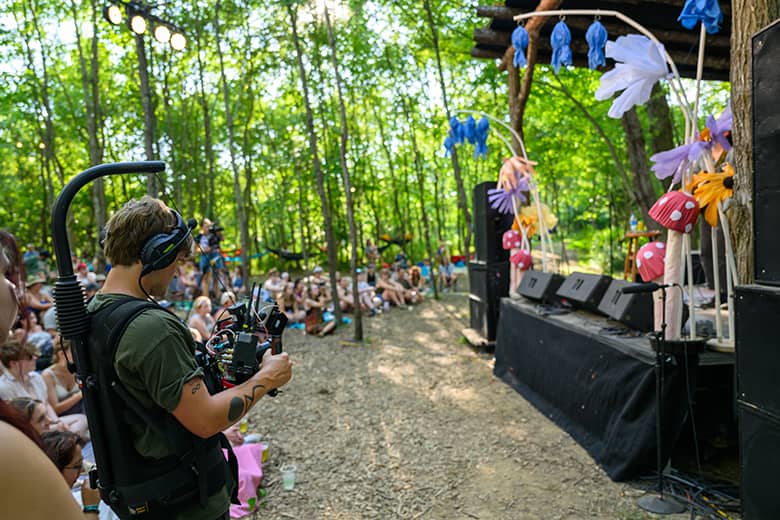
point(710, 188)
point(529, 218)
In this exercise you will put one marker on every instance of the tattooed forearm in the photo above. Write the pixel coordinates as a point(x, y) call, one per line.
point(236, 409)
point(239, 407)
point(195, 388)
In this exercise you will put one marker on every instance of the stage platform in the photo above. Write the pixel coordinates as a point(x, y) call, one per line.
point(596, 385)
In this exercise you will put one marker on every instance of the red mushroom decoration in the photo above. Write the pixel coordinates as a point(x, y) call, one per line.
point(521, 259)
point(650, 260)
point(676, 210)
point(512, 239)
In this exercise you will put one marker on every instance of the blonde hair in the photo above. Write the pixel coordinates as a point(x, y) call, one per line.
point(200, 301)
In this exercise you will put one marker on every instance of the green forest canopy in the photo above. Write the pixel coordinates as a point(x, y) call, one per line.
point(50, 85)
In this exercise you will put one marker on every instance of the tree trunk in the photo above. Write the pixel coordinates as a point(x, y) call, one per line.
point(520, 91)
point(346, 179)
point(749, 17)
point(242, 221)
point(331, 242)
point(637, 155)
point(462, 198)
point(661, 127)
point(91, 93)
point(208, 140)
point(148, 109)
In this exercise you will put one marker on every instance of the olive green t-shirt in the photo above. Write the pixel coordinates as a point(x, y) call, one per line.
point(154, 359)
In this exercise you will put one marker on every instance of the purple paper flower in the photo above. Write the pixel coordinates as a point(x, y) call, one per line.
point(704, 11)
point(639, 64)
point(501, 200)
point(520, 43)
point(560, 39)
point(596, 36)
point(677, 160)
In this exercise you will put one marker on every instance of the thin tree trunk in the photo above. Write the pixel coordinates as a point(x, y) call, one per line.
point(331, 242)
point(148, 110)
point(637, 154)
point(661, 127)
point(242, 221)
point(749, 17)
point(346, 179)
point(208, 140)
point(462, 198)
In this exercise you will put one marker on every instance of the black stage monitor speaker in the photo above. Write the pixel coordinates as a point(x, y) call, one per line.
point(758, 355)
point(758, 398)
point(633, 310)
point(584, 290)
point(766, 154)
point(759, 456)
point(488, 283)
point(540, 286)
point(489, 227)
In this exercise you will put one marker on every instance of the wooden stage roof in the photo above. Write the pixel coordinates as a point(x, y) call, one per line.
point(659, 16)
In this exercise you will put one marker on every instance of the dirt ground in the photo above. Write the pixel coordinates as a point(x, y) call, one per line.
point(413, 424)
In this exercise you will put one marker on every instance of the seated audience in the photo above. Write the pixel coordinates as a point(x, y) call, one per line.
point(447, 275)
point(35, 412)
point(316, 303)
point(63, 391)
point(289, 303)
point(346, 300)
point(201, 319)
point(272, 286)
point(366, 295)
point(410, 293)
point(228, 299)
point(17, 362)
point(390, 293)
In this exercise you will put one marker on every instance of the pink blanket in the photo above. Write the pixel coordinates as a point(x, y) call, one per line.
point(250, 473)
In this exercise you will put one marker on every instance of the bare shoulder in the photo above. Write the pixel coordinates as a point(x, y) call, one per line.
point(21, 497)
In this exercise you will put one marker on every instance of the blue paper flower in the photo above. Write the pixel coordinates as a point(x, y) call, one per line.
point(560, 39)
point(449, 144)
point(596, 36)
point(482, 134)
point(677, 160)
point(501, 200)
point(457, 131)
point(640, 63)
point(470, 130)
point(520, 43)
point(704, 11)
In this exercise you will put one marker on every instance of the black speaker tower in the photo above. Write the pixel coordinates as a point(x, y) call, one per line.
point(489, 227)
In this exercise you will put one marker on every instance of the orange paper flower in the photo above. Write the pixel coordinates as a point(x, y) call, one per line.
point(711, 188)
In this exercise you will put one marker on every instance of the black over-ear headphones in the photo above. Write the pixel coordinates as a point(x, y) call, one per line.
point(160, 250)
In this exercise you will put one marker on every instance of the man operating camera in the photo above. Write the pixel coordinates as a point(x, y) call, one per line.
point(155, 363)
point(210, 255)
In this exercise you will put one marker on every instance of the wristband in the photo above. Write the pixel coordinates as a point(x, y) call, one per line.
point(93, 508)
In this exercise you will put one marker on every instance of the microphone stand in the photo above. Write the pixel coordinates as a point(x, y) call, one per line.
point(659, 503)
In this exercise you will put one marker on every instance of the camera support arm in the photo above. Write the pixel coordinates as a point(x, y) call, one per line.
point(71, 309)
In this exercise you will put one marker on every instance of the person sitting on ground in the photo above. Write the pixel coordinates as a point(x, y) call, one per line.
point(291, 304)
point(417, 280)
point(237, 281)
point(83, 276)
point(316, 303)
point(346, 301)
point(228, 299)
point(64, 450)
point(33, 299)
point(371, 275)
point(318, 278)
point(447, 275)
point(35, 412)
point(272, 286)
point(17, 362)
point(64, 394)
point(390, 292)
point(366, 294)
point(201, 319)
point(411, 294)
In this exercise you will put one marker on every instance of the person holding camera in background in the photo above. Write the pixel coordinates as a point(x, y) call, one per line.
point(210, 255)
point(155, 363)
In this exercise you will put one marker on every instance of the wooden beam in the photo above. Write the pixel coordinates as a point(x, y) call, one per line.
point(486, 54)
point(491, 37)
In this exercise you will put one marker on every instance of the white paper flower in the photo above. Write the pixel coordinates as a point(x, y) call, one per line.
point(639, 64)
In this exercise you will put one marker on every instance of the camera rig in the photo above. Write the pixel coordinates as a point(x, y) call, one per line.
point(240, 340)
